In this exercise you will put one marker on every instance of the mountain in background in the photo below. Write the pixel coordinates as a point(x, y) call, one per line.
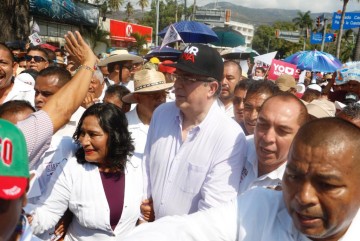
point(259, 16)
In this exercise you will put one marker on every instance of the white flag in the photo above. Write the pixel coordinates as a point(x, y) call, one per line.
point(35, 39)
point(35, 28)
point(171, 36)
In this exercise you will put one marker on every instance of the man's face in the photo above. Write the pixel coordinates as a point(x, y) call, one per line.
point(126, 71)
point(10, 211)
point(38, 60)
point(252, 106)
point(231, 76)
point(45, 87)
point(150, 101)
point(276, 127)
point(238, 103)
point(321, 188)
point(6, 68)
point(96, 87)
point(191, 93)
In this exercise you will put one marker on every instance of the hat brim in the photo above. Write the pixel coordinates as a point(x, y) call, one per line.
point(187, 68)
point(12, 187)
point(120, 58)
point(129, 98)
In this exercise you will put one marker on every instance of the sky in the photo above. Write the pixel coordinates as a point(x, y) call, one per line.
point(315, 6)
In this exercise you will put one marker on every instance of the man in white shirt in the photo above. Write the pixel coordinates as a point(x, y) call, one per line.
point(232, 75)
point(319, 202)
point(149, 93)
point(194, 153)
point(279, 119)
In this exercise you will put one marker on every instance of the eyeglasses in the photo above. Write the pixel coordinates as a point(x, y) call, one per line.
point(187, 79)
point(129, 67)
point(37, 59)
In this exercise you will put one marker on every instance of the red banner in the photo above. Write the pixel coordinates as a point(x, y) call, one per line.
point(122, 31)
point(279, 67)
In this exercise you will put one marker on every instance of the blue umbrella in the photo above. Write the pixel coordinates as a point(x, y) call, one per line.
point(193, 32)
point(165, 53)
point(315, 61)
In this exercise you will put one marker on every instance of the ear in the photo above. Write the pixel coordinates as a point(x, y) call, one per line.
point(213, 88)
point(15, 66)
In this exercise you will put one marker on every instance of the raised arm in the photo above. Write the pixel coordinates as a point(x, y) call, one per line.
point(66, 101)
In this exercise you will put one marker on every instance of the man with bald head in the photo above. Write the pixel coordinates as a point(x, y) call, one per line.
point(279, 119)
point(319, 201)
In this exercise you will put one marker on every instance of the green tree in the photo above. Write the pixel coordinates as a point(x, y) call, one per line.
point(129, 10)
point(141, 40)
point(14, 20)
point(114, 5)
point(303, 20)
point(97, 35)
point(143, 4)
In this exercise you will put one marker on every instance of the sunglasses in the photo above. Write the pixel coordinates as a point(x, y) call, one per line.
point(37, 59)
point(189, 79)
point(129, 67)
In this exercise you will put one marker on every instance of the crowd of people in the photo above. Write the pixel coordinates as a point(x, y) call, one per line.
point(122, 148)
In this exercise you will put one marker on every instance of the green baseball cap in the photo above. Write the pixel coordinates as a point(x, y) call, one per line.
point(14, 163)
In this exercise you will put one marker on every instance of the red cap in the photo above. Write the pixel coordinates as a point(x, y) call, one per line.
point(162, 67)
point(12, 187)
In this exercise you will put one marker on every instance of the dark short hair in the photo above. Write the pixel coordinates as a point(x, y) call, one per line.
point(261, 87)
point(38, 48)
point(33, 72)
point(261, 69)
point(114, 123)
point(14, 107)
point(352, 111)
point(62, 73)
point(310, 95)
point(117, 90)
point(243, 84)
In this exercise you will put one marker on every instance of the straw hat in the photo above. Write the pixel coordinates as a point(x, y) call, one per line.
point(120, 55)
point(147, 80)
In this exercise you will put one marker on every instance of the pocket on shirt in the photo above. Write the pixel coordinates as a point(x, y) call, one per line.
point(194, 178)
point(84, 212)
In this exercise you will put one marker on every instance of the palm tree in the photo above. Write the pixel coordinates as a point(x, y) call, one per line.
point(129, 10)
point(141, 40)
point(143, 4)
point(303, 20)
point(115, 4)
point(338, 41)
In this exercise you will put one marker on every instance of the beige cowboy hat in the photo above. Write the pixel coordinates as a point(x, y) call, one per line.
point(145, 81)
point(120, 55)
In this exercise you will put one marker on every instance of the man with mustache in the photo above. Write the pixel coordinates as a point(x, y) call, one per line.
point(319, 201)
point(232, 75)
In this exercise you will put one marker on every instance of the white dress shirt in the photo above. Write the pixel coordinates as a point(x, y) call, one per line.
point(69, 128)
point(199, 173)
point(249, 174)
point(21, 91)
point(257, 215)
point(138, 132)
point(229, 111)
point(79, 188)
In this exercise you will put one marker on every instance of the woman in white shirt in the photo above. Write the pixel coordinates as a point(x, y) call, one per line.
point(101, 187)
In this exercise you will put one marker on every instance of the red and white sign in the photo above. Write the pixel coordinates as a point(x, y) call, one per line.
point(122, 31)
point(279, 67)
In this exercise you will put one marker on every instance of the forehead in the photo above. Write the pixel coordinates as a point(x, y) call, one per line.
point(47, 81)
point(36, 53)
point(280, 112)
point(334, 160)
point(231, 69)
point(256, 99)
point(240, 92)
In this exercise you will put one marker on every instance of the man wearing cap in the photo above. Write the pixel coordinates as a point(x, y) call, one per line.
point(149, 93)
point(14, 181)
point(321, 108)
point(120, 66)
point(286, 83)
point(194, 152)
point(232, 75)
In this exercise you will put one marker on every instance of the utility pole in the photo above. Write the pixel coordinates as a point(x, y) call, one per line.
point(324, 35)
point(157, 23)
point(185, 6)
point(194, 10)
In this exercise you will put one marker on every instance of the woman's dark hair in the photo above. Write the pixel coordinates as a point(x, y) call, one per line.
point(114, 123)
